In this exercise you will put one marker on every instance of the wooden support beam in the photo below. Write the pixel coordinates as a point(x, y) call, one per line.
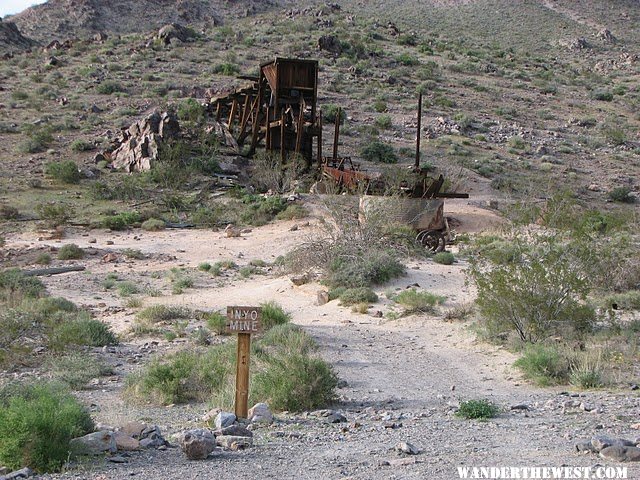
point(256, 118)
point(320, 139)
point(218, 110)
point(232, 114)
point(267, 138)
point(300, 128)
point(283, 153)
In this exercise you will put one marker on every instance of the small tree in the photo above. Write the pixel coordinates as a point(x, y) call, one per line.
point(536, 297)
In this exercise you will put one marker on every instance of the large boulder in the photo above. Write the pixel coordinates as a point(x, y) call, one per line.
point(198, 443)
point(11, 40)
point(260, 413)
point(330, 44)
point(175, 31)
point(140, 144)
point(94, 443)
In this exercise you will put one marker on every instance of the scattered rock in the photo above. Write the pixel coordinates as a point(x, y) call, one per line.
point(117, 459)
point(602, 442)
point(125, 442)
point(22, 473)
point(323, 297)
point(299, 280)
point(151, 437)
point(405, 447)
point(586, 447)
point(224, 419)
point(260, 413)
point(211, 415)
point(232, 232)
point(235, 431)
point(94, 443)
point(606, 35)
point(231, 442)
point(330, 416)
point(198, 443)
point(520, 406)
point(619, 453)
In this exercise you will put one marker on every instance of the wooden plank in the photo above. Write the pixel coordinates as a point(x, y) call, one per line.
point(320, 139)
point(242, 375)
point(283, 155)
point(53, 271)
point(336, 134)
point(232, 114)
point(256, 118)
point(417, 164)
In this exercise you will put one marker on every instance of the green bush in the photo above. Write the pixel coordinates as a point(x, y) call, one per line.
point(353, 296)
point(414, 301)
point(621, 194)
point(7, 212)
point(444, 258)
point(121, 221)
point(65, 171)
point(477, 409)
point(126, 289)
point(54, 214)
point(14, 284)
point(70, 251)
point(293, 212)
point(77, 369)
point(43, 259)
point(37, 423)
point(227, 68)
point(330, 112)
point(153, 225)
point(109, 87)
point(38, 140)
point(624, 301)
point(376, 151)
point(603, 95)
point(273, 314)
point(79, 329)
point(81, 145)
point(191, 110)
point(163, 313)
point(538, 297)
point(384, 122)
point(372, 267)
point(217, 322)
point(544, 365)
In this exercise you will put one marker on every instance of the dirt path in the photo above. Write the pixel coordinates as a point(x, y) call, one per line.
point(572, 14)
point(402, 379)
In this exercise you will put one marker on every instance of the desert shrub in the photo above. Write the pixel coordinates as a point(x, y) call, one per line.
point(109, 87)
point(384, 122)
point(624, 301)
point(163, 313)
point(227, 68)
point(81, 145)
point(191, 110)
point(126, 289)
point(36, 424)
point(247, 271)
point(120, 221)
point(204, 266)
point(444, 258)
point(77, 369)
point(371, 267)
point(273, 314)
point(216, 322)
point(15, 284)
point(43, 259)
point(415, 301)
point(540, 296)
point(587, 371)
point(293, 212)
point(602, 95)
point(54, 214)
point(64, 171)
point(38, 140)
point(477, 409)
point(79, 329)
point(258, 210)
point(70, 251)
point(330, 112)
point(621, 194)
point(544, 365)
point(183, 376)
point(133, 253)
point(153, 225)
point(269, 173)
point(7, 212)
point(354, 296)
point(376, 151)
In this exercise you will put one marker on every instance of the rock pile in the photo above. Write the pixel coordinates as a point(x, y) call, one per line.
point(139, 145)
point(174, 32)
point(613, 449)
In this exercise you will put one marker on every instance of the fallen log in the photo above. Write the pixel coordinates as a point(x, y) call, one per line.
point(53, 271)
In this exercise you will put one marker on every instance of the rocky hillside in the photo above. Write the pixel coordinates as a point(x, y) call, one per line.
point(61, 19)
point(12, 40)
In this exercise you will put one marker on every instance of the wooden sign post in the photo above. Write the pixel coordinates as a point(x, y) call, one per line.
point(244, 321)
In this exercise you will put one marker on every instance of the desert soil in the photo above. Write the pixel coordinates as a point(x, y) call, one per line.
point(401, 379)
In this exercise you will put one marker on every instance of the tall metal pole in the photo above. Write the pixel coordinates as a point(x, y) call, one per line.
point(336, 135)
point(417, 165)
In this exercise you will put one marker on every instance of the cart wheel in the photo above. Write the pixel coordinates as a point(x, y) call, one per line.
point(432, 240)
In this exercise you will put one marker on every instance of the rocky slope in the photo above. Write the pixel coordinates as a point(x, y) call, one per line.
point(12, 40)
point(58, 19)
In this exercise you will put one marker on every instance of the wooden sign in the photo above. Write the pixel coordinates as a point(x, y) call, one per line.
point(244, 321)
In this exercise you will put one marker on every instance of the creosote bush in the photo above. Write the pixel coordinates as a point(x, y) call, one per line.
point(273, 314)
point(64, 171)
point(376, 151)
point(37, 423)
point(444, 258)
point(415, 301)
point(477, 409)
point(70, 251)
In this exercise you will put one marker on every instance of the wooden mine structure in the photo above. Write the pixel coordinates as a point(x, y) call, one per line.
point(279, 109)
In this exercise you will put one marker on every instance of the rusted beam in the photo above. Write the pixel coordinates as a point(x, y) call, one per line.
point(319, 139)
